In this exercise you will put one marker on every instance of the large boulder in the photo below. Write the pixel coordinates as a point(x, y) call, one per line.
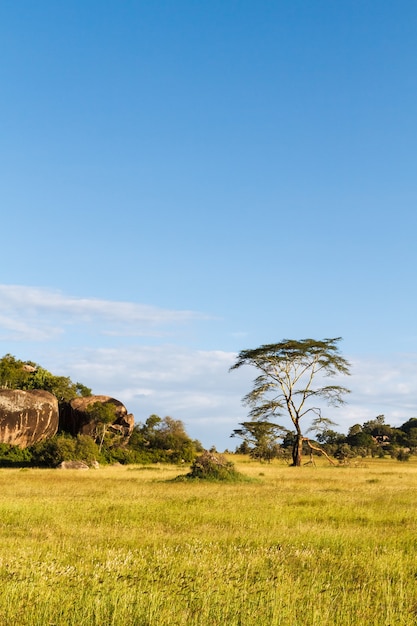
point(27, 417)
point(76, 420)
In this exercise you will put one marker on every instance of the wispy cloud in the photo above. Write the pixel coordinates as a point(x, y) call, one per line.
point(18, 328)
point(191, 385)
point(34, 313)
point(154, 376)
point(195, 386)
point(383, 386)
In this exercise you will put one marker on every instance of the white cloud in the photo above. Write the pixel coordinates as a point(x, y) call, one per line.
point(14, 328)
point(35, 314)
point(193, 385)
point(196, 386)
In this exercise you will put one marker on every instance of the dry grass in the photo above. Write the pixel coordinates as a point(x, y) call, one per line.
point(122, 546)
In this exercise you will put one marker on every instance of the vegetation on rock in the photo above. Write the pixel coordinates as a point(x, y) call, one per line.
point(27, 375)
point(157, 440)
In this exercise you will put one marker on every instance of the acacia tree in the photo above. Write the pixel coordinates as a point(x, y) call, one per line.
point(291, 381)
point(261, 438)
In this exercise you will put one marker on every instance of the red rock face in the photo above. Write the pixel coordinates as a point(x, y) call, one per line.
point(27, 417)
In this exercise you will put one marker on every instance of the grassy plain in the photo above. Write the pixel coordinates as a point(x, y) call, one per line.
point(121, 546)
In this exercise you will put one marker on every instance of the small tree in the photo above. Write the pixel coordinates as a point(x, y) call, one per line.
point(103, 414)
point(165, 439)
point(261, 438)
point(61, 386)
point(27, 375)
point(407, 434)
point(288, 381)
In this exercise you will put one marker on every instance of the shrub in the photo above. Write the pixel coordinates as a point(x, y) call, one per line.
point(86, 449)
point(52, 452)
point(14, 456)
point(215, 467)
point(403, 455)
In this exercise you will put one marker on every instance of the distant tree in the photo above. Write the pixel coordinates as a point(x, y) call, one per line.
point(361, 440)
point(14, 373)
point(27, 375)
point(377, 428)
point(409, 425)
point(407, 434)
point(344, 452)
point(165, 439)
point(354, 430)
point(261, 438)
point(374, 437)
point(288, 380)
point(242, 448)
point(61, 386)
point(82, 390)
point(330, 437)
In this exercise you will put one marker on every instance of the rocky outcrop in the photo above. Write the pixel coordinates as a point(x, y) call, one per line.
point(27, 417)
point(75, 419)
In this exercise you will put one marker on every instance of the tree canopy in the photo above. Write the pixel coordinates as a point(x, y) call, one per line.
point(27, 375)
point(260, 438)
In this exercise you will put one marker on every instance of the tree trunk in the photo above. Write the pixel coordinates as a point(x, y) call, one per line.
point(102, 438)
point(297, 450)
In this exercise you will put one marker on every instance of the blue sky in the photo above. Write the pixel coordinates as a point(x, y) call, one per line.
point(183, 180)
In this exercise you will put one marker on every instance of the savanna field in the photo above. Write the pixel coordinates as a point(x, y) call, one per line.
point(126, 546)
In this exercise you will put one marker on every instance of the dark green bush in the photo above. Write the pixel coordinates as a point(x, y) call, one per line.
point(14, 456)
point(52, 452)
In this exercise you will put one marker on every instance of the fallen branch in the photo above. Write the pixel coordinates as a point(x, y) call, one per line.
point(312, 447)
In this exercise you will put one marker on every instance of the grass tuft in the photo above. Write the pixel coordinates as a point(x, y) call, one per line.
point(310, 545)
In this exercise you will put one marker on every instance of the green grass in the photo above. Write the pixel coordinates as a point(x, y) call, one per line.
point(127, 546)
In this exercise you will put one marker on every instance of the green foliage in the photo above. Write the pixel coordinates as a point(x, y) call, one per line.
point(14, 456)
point(409, 425)
point(163, 440)
point(27, 375)
point(214, 467)
point(343, 452)
point(14, 374)
point(86, 449)
point(330, 437)
point(52, 452)
point(102, 414)
point(261, 439)
point(361, 440)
